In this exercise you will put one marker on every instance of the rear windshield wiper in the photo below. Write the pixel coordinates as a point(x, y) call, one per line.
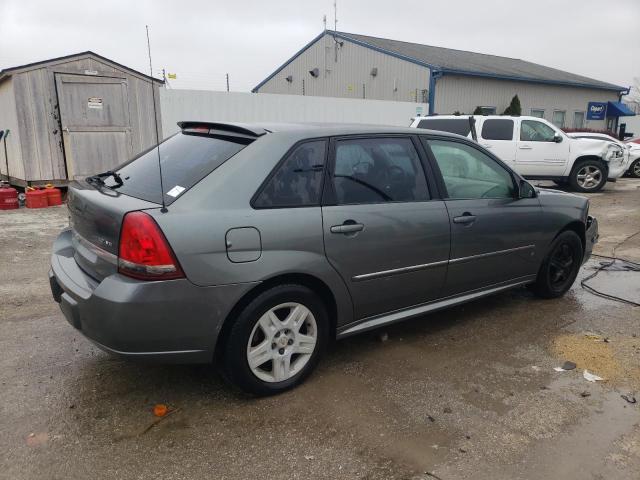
point(99, 178)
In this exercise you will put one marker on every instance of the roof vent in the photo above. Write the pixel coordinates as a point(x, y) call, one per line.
point(374, 72)
point(314, 73)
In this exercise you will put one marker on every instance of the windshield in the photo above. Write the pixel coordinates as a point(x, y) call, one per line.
point(186, 159)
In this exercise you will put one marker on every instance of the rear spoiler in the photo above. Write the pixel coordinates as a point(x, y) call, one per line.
point(231, 127)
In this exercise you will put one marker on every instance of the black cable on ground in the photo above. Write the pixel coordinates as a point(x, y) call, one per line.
point(605, 265)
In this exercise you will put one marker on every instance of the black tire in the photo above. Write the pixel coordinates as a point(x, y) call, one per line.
point(596, 167)
point(560, 267)
point(634, 169)
point(235, 364)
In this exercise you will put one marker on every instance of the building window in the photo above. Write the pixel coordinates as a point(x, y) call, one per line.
point(578, 119)
point(488, 110)
point(558, 118)
point(535, 112)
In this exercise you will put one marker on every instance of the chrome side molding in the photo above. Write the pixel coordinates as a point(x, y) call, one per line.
point(492, 254)
point(424, 266)
point(387, 273)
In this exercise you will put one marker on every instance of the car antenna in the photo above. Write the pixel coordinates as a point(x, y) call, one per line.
point(155, 120)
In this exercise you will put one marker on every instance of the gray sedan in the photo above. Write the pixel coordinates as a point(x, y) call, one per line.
point(254, 245)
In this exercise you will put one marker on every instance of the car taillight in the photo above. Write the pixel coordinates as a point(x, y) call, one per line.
point(144, 252)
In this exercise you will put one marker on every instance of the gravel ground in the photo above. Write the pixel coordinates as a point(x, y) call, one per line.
point(466, 393)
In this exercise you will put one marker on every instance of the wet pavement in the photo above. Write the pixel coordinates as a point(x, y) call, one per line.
point(466, 393)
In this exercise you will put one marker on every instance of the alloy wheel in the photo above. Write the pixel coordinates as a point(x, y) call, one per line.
point(589, 177)
point(561, 266)
point(282, 342)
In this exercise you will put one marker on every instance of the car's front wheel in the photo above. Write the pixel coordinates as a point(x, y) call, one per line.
point(588, 176)
point(560, 267)
point(276, 341)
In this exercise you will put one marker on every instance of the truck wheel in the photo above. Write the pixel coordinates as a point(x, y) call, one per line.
point(634, 169)
point(276, 341)
point(588, 176)
point(560, 267)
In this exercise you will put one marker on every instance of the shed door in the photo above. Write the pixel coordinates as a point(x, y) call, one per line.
point(96, 128)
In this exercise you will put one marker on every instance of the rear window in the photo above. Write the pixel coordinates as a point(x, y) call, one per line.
point(497, 129)
point(460, 126)
point(186, 159)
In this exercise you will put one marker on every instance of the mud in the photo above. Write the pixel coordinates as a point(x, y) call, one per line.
point(453, 393)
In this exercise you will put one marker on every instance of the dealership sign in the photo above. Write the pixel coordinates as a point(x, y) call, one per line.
point(596, 110)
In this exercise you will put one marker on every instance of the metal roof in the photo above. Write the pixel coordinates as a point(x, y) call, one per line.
point(461, 62)
point(7, 72)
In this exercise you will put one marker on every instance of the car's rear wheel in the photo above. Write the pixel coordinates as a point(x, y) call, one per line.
point(588, 176)
point(634, 169)
point(560, 267)
point(276, 341)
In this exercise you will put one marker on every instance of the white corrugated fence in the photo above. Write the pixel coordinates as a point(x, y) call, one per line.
point(177, 105)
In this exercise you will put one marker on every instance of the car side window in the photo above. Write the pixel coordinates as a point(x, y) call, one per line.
point(470, 173)
point(378, 170)
point(497, 129)
point(534, 131)
point(297, 181)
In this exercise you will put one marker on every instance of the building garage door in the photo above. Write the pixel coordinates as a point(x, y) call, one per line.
point(96, 129)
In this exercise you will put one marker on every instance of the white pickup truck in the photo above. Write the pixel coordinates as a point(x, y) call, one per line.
point(537, 149)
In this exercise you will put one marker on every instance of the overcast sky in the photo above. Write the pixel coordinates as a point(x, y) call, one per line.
point(201, 41)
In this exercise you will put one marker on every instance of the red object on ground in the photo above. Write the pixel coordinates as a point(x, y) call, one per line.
point(8, 198)
point(37, 198)
point(54, 195)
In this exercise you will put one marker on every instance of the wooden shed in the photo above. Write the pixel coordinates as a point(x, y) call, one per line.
point(73, 116)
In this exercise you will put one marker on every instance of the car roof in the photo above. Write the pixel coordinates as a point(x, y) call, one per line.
point(465, 116)
point(305, 129)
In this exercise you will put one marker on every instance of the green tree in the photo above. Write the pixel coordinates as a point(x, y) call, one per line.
point(514, 107)
point(478, 111)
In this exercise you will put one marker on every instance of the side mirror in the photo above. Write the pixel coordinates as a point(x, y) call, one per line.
point(526, 190)
point(557, 138)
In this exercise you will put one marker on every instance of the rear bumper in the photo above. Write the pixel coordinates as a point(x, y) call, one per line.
point(171, 321)
point(591, 237)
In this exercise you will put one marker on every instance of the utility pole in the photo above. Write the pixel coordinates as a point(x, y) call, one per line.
point(324, 21)
point(335, 15)
point(227, 82)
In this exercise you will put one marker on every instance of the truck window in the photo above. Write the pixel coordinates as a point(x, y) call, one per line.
point(534, 131)
point(452, 125)
point(497, 129)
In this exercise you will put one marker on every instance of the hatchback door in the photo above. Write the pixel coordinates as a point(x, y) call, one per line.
point(494, 234)
point(538, 153)
point(97, 206)
point(384, 232)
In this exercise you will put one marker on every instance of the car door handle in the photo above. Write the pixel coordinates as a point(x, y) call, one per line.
point(347, 228)
point(525, 147)
point(466, 219)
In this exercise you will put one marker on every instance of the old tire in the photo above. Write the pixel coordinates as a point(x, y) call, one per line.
point(588, 176)
point(560, 267)
point(276, 340)
point(634, 169)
